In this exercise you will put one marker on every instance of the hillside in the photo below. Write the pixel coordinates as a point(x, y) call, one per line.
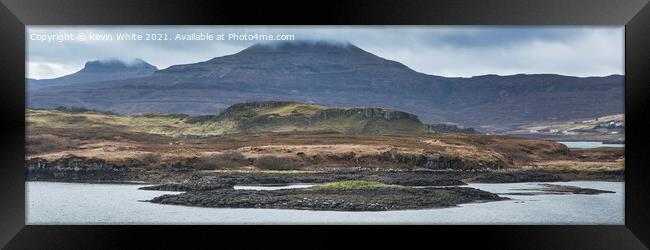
point(344, 75)
point(75, 144)
point(263, 116)
point(124, 147)
point(606, 128)
point(293, 116)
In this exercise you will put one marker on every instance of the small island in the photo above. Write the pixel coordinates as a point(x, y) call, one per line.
point(335, 196)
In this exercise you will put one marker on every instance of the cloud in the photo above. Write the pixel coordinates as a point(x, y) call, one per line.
point(592, 52)
point(44, 70)
point(439, 50)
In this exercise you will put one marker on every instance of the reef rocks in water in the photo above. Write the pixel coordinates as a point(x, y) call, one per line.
point(557, 189)
point(315, 198)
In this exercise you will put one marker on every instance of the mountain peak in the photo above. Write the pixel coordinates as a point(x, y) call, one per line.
point(98, 71)
point(303, 46)
point(274, 61)
point(113, 64)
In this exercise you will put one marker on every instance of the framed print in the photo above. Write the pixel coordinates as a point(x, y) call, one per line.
point(517, 121)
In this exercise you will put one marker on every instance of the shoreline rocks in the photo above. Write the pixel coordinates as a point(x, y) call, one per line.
point(361, 199)
point(109, 173)
point(558, 189)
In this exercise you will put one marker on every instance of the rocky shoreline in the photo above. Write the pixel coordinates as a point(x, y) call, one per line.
point(546, 189)
point(343, 196)
point(405, 189)
point(398, 177)
point(392, 189)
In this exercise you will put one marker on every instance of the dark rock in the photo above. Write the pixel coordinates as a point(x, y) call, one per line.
point(365, 199)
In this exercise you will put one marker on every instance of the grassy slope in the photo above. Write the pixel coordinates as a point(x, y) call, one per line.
point(294, 108)
point(575, 125)
point(314, 150)
point(584, 128)
point(285, 118)
point(54, 134)
point(160, 125)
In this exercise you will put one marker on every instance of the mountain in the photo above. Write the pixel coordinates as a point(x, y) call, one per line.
point(344, 75)
point(96, 71)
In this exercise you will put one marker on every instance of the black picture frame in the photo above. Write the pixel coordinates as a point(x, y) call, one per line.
point(634, 14)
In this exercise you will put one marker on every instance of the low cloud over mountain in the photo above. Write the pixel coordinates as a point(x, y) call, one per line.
point(338, 74)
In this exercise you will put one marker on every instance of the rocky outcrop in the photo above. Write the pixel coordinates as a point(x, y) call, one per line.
point(76, 169)
point(236, 110)
point(516, 176)
point(82, 169)
point(553, 189)
point(433, 161)
point(362, 199)
point(448, 128)
point(274, 119)
point(194, 183)
point(366, 113)
point(255, 116)
point(71, 163)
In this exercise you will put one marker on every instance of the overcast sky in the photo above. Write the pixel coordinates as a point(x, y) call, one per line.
point(438, 50)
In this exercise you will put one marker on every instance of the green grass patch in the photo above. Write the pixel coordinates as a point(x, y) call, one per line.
point(255, 171)
point(293, 109)
point(247, 114)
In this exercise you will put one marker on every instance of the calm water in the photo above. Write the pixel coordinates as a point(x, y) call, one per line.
point(74, 203)
point(273, 187)
point(589, 144)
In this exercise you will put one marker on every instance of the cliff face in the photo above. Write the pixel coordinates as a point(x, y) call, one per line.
point(236, 110)
point(284, 116)
point(366, 113)
point(450, 128)
point(76, 169)
point(265, 115)
point(82, 169)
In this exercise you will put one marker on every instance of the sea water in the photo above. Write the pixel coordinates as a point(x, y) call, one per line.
point(78, 203)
